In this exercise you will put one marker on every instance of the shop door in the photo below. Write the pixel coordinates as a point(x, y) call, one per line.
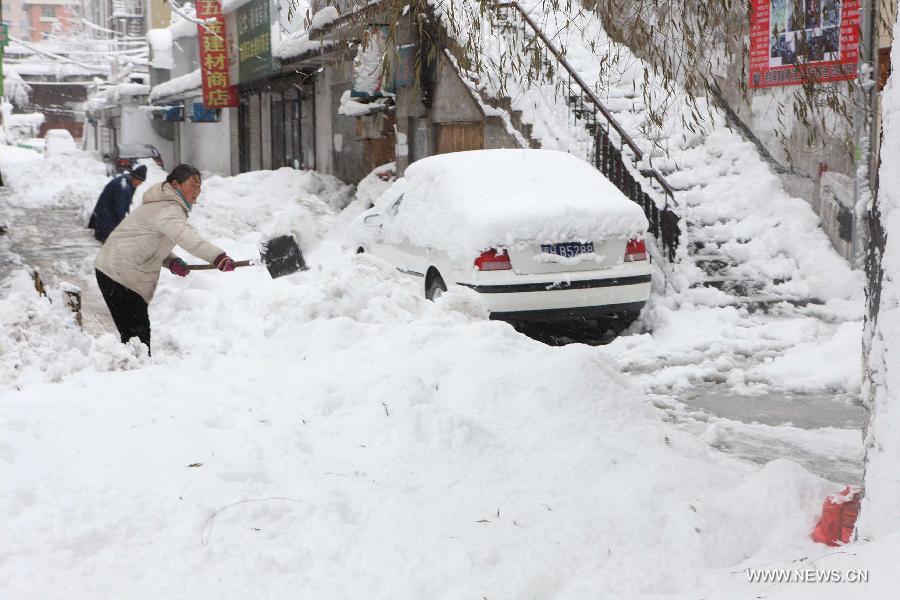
point(459, 137)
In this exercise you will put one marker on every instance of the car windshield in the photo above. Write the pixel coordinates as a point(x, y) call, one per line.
point(137, 151)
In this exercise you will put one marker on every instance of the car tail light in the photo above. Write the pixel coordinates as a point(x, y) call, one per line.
point(123, 162)
point(635, 251)
point(159, 162)
point(490, 260)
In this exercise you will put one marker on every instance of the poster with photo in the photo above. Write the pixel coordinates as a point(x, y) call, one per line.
point(792, 41)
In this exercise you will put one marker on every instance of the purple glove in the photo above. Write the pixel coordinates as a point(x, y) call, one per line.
point(179, 267)
point(224, 263)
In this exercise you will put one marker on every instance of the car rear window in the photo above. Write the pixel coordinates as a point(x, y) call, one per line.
point(137, 151)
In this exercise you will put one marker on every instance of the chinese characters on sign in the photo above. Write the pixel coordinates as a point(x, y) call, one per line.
point(796, 40)
point(217, 91)
point(254, 41)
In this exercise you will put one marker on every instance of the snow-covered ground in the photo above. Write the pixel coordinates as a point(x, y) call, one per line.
point(331, 434)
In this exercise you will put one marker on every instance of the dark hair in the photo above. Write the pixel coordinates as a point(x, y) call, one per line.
point(182, 173)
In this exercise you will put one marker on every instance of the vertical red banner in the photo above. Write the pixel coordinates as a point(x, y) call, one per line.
point(217, 89)
point(793, 41)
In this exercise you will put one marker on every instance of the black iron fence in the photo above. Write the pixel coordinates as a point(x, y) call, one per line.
point(610, 148)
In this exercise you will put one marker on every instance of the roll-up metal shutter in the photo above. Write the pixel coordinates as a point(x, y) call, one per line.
point(254, 133)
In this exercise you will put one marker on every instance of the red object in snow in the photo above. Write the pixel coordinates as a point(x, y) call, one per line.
point(838, 519)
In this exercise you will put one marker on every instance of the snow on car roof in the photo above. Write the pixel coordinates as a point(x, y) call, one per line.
point(465, 202)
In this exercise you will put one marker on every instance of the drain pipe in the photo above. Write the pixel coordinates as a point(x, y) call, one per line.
point(862, 156)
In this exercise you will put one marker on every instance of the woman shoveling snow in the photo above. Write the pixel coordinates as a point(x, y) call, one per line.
point(129, 263)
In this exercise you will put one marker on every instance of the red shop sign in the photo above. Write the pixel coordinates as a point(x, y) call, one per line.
point(792, 41)
point(217, 89)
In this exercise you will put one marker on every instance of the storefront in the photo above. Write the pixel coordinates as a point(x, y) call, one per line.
point(276, 125)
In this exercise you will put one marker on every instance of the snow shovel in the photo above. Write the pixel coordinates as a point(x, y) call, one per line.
point(281, 256)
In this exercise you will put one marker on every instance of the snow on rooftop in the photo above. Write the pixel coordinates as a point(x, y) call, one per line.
point(160, 41)
point(178, 85)
point(182, 27)
point(465, 202)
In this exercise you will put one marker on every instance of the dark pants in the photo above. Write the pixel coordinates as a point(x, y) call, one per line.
point(128, 309)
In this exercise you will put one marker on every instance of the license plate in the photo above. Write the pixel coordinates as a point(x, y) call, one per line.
point(568, 249)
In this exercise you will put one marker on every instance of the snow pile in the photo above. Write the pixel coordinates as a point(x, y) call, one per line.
point(788, 350)
point(23, 125)
point(177, 85)
point(465, 202)
point(375, 184)
point(880, 510)
point(268, 204)
point(40, 342)
point(160, 41)
point(43, 182)
point(332, 430)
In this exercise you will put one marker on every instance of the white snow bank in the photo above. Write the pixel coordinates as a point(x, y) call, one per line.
point(333, 430)
point(25, 120)
point(40, 342)
point(41, 182)
point(834, 362)
point(465, 202)
point(792, 349)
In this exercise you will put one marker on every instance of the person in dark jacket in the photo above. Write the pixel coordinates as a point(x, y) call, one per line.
point(115, 201)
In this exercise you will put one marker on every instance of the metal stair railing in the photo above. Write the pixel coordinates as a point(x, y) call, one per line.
point(607, 154)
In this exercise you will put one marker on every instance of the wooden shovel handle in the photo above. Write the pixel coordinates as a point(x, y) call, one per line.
point(237, 263)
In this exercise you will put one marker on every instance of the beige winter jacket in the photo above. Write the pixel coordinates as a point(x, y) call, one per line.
point(142, 244)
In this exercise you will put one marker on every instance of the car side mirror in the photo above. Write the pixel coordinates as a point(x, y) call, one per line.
point(372, 221)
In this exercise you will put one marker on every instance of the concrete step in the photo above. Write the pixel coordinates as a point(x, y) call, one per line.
point(732, 285)
point(718, 265)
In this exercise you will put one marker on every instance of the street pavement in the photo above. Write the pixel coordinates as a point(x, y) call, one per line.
point(54, 242)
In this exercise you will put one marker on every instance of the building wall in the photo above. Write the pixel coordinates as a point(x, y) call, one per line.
point(61, 104)
point(18, 18)
point(137, 128)
point(42, 25)
point(325, 116)
point(202, 144)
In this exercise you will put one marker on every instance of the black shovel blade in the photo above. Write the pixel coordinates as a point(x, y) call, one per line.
point(282, 256)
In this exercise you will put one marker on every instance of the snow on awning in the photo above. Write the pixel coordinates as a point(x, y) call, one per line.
point(178, 86)
point(355, 107)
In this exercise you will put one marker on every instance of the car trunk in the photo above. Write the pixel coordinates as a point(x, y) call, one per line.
point(566, 257)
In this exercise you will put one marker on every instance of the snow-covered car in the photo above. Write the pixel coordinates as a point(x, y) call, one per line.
point(59, 142)
point(36, 144)
point(539, 234)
